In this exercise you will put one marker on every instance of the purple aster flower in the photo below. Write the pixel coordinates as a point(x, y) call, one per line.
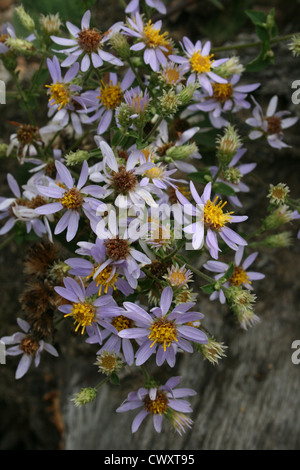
point(7, 31)
point(270, 124)
point(21, 208)
point(233, 175)
point(137, 101)
point(240, 277)
point(163, 332)
point(160, 401)
point(83, 307)
point(199, 61)
point(105, 100)
point(87, 43)
point(211, 221)
point(62, 92)
point(156, 45)
point(119, 250)
point(28, 345)
point(123, 180)
point(107, 274)
point(226, 97)
point(133, 6)
point(69, 198)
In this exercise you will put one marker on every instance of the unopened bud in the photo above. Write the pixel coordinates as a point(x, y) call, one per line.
point(169, 103)
point(181, 152)
point(213, 350)
point(228, 145)
point(278, 240)
point(75, 158)
point(186, 95)
point(294, 45)
point(20, 46)
point(25, 19)
point(231, 67)
point(85, 396)
point(120, 44)
point(278, 217)
point(50, 24)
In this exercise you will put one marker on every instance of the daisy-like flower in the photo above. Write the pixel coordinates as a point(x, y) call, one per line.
point(240, 277)
point(83, 307)
point(178, 276)
point(226, 97)
point(164, 401)
point(137, 101)
point(156, 45)
point(234, 174)
point(163, 331)
point(278, 194)
point(28, 138)
point(28, 345)
point(119, 252)
point(199, 62)
point(106, 99)
point(106, 273)
point(270, 124)
point(62, 92)
point(172, 74)
point(22, 208)
point(211, 221)
point(87, 45)
point(124, 180)
point(133, 6)
point(69, 198)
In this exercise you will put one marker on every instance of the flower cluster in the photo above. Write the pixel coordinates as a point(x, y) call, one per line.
point(117, 177)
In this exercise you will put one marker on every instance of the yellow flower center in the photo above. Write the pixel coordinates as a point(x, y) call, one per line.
point(157, 406)
point(214, 216)
point(111, 95)
point(72, 199)
point(222, 91)
point(171, 75)
point(83, 314)
point(104, 279)
point(154, 172)
point(177, 278)
point(200, 63)
point(153, 36)
point(163, 332)
point(122, 323)
point(59, 93)
point(239, 277)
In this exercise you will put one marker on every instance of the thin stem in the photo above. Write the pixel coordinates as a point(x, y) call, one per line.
point(247, 45)
point(156, 125)
point(102, 383)
point(142, 86)
point(7, 241)
point(196, 271)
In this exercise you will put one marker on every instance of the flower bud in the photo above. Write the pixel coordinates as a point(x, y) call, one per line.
point(20, 46)
point(85, 396)
point(186, 94)
point(3, 150)
point(120, 44)
point(25, 19)
point(74, 158)
point(278, 194)
point(278, 240)
point(294, 45)
point(50, 24)
point(228, 145)
point(213, 350)
point(181, 152)
point(169, 103)
point(278, 217)
point(231, 67)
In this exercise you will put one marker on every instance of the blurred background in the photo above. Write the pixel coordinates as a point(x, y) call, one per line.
point(250, 401)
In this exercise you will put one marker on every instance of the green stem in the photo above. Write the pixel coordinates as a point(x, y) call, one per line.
point(252, 44)
point(7, 241)
point(24, 98)
point(196, 271)
point(102, 383)
point(142, 86)
point(156, 125)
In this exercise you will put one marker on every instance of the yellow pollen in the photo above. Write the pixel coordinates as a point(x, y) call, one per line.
point(177, 278)
point(159, 405)
point(154, 172)
point(83, 314)
point(200, 63)
point(122, 323)
point(153, 36)
point(222, 91)
point(72, 199)
point(239, 277)
point(214, 216)
point(111, 95)
point(104, 279)
point(59, 93)
point(171, 75)
point(163, 332)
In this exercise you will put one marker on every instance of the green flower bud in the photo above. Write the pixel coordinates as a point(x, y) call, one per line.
point(3, 150)
point(25, 19)
point(85, 396)
point(20, 46)
point(74, 158)
point(181, 152)
point(120, 44)
point(227, 145)
point(185, 96)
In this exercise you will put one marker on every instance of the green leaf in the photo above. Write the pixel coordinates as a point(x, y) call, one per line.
point(208, 288)
point(257, 17)
point(114, 378)
point(200, 176)
point(222, 188)
point(229, 271)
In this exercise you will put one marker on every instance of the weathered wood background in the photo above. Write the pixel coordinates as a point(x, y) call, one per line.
point(251, 400)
